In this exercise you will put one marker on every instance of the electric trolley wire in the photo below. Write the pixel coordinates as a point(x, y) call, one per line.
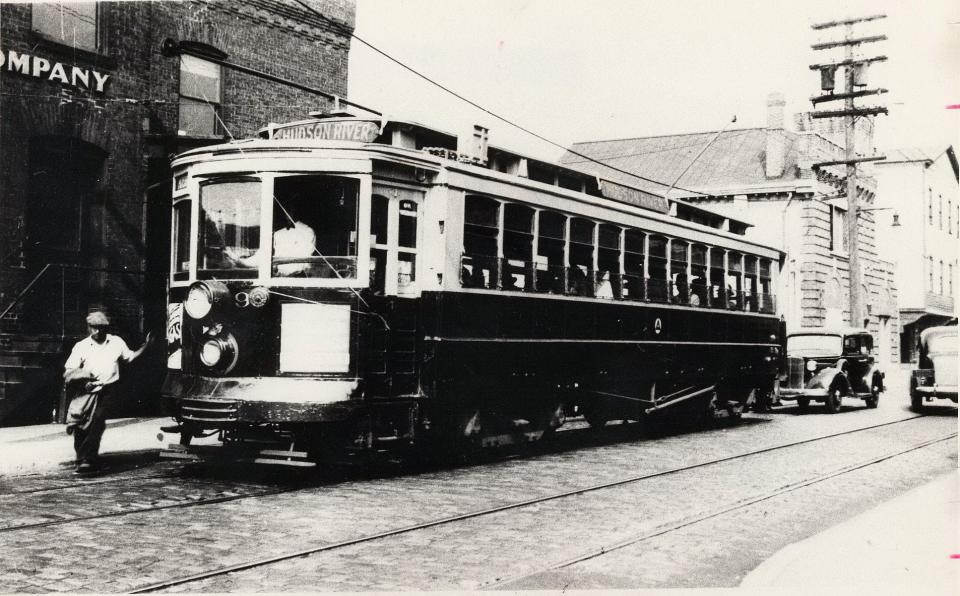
point(497, 116)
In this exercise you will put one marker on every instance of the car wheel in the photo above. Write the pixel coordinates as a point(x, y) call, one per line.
point(916, 400)
point(874, 398)
point(803, 403)
point(834, 399)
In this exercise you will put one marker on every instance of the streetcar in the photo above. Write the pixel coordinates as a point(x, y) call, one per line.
point(344, 284)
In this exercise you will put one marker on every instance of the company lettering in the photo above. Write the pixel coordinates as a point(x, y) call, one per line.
point(41, 68)
point(352, 130)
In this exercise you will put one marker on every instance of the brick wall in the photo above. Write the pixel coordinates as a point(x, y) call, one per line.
point(135, 121)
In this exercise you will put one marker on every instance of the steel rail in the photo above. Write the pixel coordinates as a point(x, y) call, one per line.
point(794, 486)
point(484, 512)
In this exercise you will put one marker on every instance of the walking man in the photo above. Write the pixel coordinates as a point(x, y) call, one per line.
point(91, 372)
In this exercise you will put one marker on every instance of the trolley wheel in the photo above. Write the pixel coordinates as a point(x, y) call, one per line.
point(834, 399)
point(803, 403)
point(552, 416)
point(595, 415)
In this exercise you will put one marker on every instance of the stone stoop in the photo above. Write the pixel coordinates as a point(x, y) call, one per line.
point(29, 377)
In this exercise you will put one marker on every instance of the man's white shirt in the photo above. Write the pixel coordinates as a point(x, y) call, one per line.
point(102, 360)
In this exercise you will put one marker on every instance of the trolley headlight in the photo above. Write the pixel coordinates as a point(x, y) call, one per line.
point(202, 297)
point(219, 353)
point(811, 365)
point(211, 352)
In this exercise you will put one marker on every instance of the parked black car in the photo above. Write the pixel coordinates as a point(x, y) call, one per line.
point(826, 365)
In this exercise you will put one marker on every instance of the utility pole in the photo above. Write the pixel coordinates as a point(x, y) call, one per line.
point(854, 70)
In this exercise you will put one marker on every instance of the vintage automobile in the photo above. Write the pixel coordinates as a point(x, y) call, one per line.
point(936, 377)
point(826, 365)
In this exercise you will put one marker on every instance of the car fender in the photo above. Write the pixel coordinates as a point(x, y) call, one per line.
point(825, 378)
point(875, 374)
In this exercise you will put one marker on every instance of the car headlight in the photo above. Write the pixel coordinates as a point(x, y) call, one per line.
point(811, 365)
point(202, 297)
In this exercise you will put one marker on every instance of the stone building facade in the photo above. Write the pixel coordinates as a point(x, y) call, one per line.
point(91, 110)
point(919, 187)
point(765, 177)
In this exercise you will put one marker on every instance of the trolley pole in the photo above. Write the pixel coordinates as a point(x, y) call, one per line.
point(854, 70)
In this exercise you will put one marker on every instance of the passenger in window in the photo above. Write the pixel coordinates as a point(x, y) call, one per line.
point(578, 281)
point(479, 277)
point(604, 287)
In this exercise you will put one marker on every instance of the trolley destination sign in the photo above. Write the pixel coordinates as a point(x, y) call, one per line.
point(361, 131)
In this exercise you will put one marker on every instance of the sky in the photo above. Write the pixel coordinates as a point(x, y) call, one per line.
point(578, 71)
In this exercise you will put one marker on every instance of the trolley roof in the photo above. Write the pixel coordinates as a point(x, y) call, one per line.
point(343, 130)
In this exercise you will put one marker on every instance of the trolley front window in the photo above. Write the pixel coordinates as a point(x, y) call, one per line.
point(229, 229)
point(315, 227)
point(181, 240)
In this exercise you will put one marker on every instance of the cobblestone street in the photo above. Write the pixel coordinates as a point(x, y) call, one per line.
point(251, 519)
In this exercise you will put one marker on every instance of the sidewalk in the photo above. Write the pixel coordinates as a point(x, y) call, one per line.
point(47, 447)
point(910, 544)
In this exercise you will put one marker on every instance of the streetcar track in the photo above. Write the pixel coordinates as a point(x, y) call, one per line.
point(660, 531)
point(526, 503)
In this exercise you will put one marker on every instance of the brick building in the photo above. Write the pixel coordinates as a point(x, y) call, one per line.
point(764, 176)
point(90, 111)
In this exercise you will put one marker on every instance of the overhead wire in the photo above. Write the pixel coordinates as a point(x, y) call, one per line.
point(497, 116)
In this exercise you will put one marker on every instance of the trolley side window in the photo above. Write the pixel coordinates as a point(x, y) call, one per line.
point(180, 258)
point(551, 251)
point(580, 277)
point(657, 284)
point(481, 237)
point(608, 261)
point(517, 247)
point(717, 274)
point(229, 230)
point(767, 303)
point(315, 227)
point(750, 283)
point(634, 281)
point(698, 275)
point(735, 280)
point(680, 284)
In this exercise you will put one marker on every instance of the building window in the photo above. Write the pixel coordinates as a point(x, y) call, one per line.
point(949, 217)
point(200, 92)
point(930, 273)
point(941, 278)
point(950, 280)
point(838, 230)
point(930, 205)
point(940, 211)
point(70, 23)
